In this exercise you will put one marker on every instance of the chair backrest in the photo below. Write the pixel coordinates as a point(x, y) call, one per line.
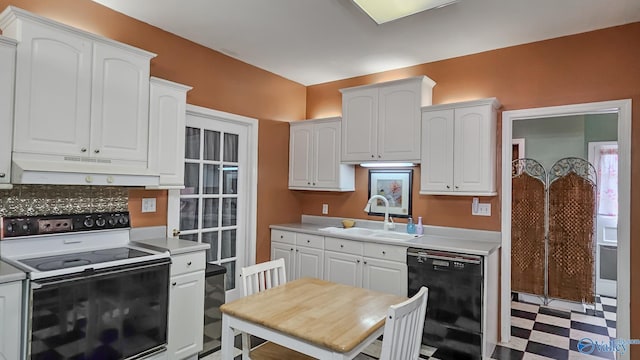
point(263, 276)
point(403, 328)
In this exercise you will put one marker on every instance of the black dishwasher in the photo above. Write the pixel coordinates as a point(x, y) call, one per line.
point(453, 322)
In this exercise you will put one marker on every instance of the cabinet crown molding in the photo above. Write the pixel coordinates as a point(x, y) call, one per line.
point(494, 102)
point(7, 41)
point(427, 81)
point(12, 13)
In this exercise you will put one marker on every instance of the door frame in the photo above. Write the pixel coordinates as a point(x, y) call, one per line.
point(623, 109)
point(251, 214)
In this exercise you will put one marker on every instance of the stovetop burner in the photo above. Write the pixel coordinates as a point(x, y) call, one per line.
point(48, 263)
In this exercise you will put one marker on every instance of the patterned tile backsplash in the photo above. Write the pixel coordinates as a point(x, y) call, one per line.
point(32, 200)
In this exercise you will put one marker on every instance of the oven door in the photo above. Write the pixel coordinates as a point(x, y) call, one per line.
point(112, 313)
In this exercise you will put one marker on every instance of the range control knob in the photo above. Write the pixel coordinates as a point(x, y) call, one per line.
point(10, 227)
point(25, 227)
point(123, 220)
point(88, 222)
point(112, 221)
point(101, 222)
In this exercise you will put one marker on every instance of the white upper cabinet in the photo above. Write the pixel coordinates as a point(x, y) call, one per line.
point(459, 148)
point(314, 157)
point(381, 122)
point(7, 75)
point(78, 96)
point(167, 113)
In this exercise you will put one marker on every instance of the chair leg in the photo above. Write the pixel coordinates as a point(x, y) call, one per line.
point(246, 346)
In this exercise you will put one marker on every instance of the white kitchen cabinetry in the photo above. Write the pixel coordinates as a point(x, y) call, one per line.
point(7, 76)
point(314, 157)
point(10, 319)
point(303, 254)
point(79, 97)
point(381, 122)
point(167, 113)
point(186, 305)
point(378, 267)
point(459, 148)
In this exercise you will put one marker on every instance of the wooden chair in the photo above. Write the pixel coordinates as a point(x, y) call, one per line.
point(403, 328)
point(257, 278)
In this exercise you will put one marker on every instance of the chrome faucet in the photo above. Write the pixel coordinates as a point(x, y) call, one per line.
point(388, 225)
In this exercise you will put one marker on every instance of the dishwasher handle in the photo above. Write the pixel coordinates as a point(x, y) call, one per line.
point(422, 255)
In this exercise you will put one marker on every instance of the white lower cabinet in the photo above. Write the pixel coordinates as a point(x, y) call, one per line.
point(385, 276)
point(343, 268)
point(10, 319)
point(186, 305)
point(303, 254)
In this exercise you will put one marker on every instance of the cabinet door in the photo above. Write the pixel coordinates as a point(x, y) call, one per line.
point(186, 315)
point(286, 252)
point(53, 88)
point(327, 155)
point(309, 262)
point(10, 322)
point(120, 104)
point(473, 152)
point(399, 123)
point(360, 125)
point(7, 75)
point(436, 174)
point(167, 112)
point(301, 156)
point(385, 276)
point(343, 268)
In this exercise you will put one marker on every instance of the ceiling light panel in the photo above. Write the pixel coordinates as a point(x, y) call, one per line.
point(382, 11)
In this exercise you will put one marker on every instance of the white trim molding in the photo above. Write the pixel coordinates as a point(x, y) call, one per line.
point(623, 109)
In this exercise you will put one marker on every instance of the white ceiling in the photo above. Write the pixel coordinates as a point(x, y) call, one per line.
point(317, 41)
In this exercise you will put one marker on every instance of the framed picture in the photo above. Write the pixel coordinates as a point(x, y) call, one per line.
point(395, 186)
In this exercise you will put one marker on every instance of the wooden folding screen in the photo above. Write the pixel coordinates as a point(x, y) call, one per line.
point(528, 227)
point(553, 229)
point(572, 248)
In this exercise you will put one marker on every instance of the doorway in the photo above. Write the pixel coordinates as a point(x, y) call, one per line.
point(623, 110)
point(218, 203)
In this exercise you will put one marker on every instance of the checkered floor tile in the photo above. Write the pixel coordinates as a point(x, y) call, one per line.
point(537, 332)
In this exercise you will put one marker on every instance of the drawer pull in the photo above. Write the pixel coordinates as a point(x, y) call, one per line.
point(365, 262)
point(189, 263)
point(341, 246)
point(358, 261)
point(384, 252)
point(308, 241)
point(281, 236)
point(174, 283)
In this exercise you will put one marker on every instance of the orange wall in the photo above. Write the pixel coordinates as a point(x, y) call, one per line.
point(219, 82)
point(595, 66)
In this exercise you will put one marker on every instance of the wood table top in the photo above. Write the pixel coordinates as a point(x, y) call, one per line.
point(333, 315)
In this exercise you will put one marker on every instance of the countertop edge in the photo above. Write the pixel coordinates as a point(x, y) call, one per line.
point(9, 273)
point(172, 245)
point(440, 243)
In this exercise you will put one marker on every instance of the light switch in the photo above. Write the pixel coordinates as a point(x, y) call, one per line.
point(325, 209)
point(148, 205)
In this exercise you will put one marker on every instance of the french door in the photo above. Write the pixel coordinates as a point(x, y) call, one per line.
point(216, 205)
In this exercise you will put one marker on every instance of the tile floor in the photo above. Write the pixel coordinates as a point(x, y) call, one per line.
point(537, 332)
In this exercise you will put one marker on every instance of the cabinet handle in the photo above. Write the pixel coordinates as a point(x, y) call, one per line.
point(365, 262)
point(83, 150)
point(308, 183)
point(97, 151)
point(291, 249)
point(281, 236)
point(341, 246)
point(358, 261)
point(314, 184)
point(189, 263)
point(457, 187)
point(2, 175)
point(448, 187)
point(308, 241)
point(379, 156)
point(372, 156)
point(174, 283)
point(297, 250)
point(384, 252)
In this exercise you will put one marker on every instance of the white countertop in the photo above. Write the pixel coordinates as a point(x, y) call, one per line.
point(9, 273)
point(466, 241)
point(172, 245)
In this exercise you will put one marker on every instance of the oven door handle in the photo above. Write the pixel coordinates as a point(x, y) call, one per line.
point(90, 273)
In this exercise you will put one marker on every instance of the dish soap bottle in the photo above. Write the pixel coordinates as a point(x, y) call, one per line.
point(411, 228)
point(419, 227)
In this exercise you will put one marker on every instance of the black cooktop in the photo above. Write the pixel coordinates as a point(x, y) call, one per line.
point(48, 263)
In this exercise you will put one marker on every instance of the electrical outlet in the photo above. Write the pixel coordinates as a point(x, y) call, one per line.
point(148, 205)
point(481, 209)
point(325, 209)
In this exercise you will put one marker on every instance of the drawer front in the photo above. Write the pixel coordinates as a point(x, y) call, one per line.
point(344, 246)
point(186, 263)
point(283, 236)
point(385, 252)
point(313, 241)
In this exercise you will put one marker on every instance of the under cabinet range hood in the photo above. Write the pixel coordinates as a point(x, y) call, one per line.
point(32, 171)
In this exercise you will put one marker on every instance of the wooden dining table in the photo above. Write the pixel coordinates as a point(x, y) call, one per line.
point(319, 318)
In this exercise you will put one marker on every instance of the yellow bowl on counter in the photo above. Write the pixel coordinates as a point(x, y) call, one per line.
point(348, 223)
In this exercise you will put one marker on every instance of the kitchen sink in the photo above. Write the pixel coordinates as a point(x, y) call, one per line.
point(371, 233)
